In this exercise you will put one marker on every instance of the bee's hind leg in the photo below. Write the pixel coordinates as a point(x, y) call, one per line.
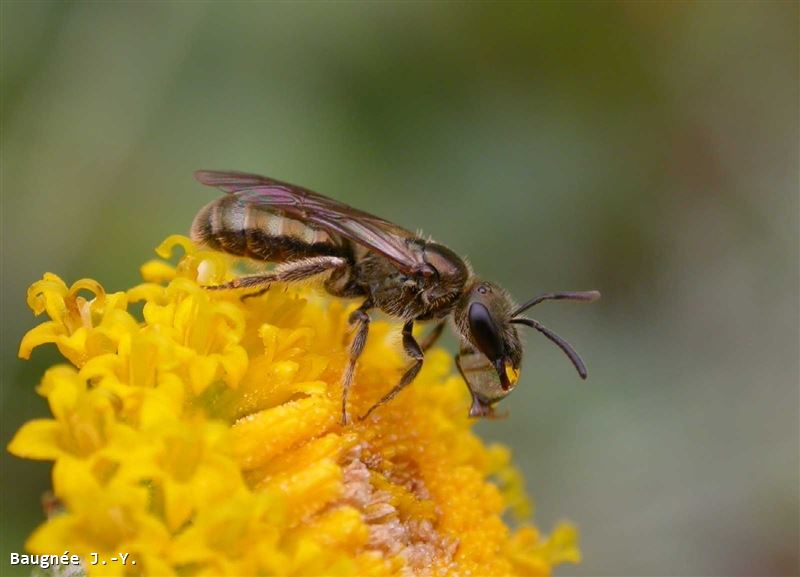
point(258, 293)
point(414, 351)
point(291, 271)
point(360, 318)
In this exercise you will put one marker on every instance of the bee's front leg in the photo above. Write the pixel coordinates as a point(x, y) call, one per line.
point(360, 319)
point(414, 351)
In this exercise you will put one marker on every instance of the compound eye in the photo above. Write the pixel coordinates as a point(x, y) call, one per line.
point(485, 332)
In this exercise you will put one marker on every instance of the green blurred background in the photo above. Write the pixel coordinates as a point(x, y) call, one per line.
point(649, 150)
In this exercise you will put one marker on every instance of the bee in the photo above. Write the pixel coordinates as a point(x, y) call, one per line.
point(357, 255)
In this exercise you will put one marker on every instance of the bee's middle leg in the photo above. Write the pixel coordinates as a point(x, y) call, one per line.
point(432, 336)
point(414, 351)
point(360, 318)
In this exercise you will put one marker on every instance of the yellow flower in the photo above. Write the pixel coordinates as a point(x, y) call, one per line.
point(205, 439)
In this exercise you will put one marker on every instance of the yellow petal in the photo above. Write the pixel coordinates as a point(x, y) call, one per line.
point(562, 545)
point(157, 271)
point(342, 528)
point(73, 480)
point(166, 248)
point(57, 534)
point(162, 405)
point(178, 503)
point(202, 371)
point(327, 447)
point(155, 314)
point(106, 365)
point(62, 386)
point(37, 439)
point(260, 437)
point(93, 287)
point(234, 362)
point(74, 346)
point(100, 342)
point(47, 332)
point(147, 291)
point(308, 490)
point(48, 294)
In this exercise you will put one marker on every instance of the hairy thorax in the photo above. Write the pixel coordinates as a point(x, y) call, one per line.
point(417, 297)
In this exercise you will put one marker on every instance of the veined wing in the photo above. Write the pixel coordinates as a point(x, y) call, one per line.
point(336, 217)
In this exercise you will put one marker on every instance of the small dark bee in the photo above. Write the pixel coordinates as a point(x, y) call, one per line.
point(357, 254)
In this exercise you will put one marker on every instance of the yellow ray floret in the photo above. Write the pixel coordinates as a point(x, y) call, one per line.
point(204, 438)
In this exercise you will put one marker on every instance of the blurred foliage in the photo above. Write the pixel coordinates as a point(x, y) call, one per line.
point(649, 150)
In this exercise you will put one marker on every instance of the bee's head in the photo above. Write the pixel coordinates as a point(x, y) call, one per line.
point(491, 352)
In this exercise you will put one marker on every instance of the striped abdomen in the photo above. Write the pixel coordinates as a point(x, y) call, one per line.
point(240, 229)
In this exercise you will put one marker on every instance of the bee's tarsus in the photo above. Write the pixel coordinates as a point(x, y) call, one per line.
point(256, 294)
point(360, 319)
point(413, 350)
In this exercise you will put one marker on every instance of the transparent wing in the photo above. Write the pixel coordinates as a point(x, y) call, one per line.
point(305, 205)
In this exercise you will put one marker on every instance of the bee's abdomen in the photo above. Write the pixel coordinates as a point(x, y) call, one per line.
point(245, 230)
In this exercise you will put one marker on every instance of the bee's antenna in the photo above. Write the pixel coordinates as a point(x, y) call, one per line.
point(586, 296)
point(562, 344)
